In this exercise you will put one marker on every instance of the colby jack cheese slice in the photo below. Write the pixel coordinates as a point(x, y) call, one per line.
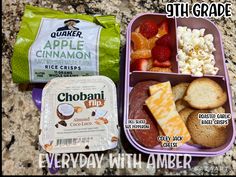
point(162, 106)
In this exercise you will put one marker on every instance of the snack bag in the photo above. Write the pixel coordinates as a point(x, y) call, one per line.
point(53, 44)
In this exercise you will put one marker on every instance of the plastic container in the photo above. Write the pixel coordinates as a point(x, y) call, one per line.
point(176, 77)
point(78, 114)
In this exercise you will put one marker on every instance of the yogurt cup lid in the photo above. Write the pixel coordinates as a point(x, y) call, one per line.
point(79, 114)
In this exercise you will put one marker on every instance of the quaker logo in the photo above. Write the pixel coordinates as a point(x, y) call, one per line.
point(69, 29)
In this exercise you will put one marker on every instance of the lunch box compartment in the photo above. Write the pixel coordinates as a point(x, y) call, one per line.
point(210, 28)
point(175, 78)
point(172, 30)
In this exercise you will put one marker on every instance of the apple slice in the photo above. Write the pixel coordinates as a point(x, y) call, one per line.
point(164, 64)
point(141, 64)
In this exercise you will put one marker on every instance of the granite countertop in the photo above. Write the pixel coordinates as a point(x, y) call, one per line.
point(20, 117)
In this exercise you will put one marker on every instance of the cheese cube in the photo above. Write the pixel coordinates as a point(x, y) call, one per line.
point(162, 106)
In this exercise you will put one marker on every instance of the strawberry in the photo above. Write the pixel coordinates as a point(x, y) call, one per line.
point(141, 64)
point(164, 64)
point(161, 53)
point(149, 28)
point(163, 28)
point(164, 40)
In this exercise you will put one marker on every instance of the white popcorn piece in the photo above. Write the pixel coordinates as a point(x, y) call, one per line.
point(196, 42)
point(186, 72)
point(181, 55)
point(181, 64)
point(189, 30)
point(215, 71)
point(202, 55)
point(180, 43)
point(196, 33)
point(187, 38)
point(187, 48)
point(194, 54)
point(212, 62)
point(201, 42)
point(198, 73)
point(202, 31)
point(209, 37)
point(194, 62)
point(211, 57)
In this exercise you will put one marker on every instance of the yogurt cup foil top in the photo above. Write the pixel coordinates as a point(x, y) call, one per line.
point(79, 114)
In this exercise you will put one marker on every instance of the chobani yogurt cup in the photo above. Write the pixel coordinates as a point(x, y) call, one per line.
point(79, 114)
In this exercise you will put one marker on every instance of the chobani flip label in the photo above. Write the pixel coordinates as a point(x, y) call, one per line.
point(64, 48)
point(79, 114)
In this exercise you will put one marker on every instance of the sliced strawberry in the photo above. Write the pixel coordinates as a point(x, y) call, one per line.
point(164, 64)
point(140, 65)
point(164, 40)
point(161, 53)
point(163, 28)
point(149, 28)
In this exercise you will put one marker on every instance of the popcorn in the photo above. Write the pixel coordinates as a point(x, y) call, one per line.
point(195, 52)
point(202, 31)
point(187, 48)
point(180, 42)
point(209, 37)
point(196, 33)
point(182, 56)
point(202, 42)
point(199, 73)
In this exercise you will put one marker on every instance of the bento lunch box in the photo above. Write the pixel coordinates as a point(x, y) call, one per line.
point(132, 78)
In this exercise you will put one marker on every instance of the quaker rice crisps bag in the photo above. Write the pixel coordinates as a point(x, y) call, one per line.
point(56, 44)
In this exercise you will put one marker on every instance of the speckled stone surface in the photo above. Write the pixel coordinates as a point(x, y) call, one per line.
point(20, 117)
